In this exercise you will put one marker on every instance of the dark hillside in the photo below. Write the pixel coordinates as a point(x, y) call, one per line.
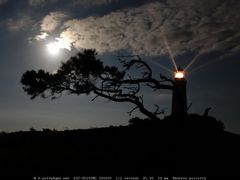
point(197, 146)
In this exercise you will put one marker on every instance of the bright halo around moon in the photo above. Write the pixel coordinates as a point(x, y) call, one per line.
point(53, 48)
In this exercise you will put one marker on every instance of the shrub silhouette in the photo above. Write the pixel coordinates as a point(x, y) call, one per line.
point(136, 121)
point(205, 122)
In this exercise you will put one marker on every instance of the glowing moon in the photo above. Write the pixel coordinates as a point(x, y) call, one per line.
point(53, 48)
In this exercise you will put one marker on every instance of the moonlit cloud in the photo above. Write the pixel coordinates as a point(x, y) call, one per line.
point(63, 44)
point(189, 26)
point(52, 21)
point(41, 36)
point(48, 24)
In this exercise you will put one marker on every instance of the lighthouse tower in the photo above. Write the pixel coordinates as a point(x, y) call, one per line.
point(179, 97)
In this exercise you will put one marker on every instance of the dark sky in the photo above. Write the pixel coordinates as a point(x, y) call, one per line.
point(206, 30)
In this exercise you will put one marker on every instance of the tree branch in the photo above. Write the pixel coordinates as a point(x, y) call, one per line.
point(166, 79)
point(85, 74)
point(130, 112)
point(132, 62)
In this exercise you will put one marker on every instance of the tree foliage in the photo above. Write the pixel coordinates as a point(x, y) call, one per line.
point(85, 74)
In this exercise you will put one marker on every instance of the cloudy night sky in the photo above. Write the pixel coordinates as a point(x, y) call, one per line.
point(203, 36)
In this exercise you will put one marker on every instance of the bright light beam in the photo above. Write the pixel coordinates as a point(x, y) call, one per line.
point(160, 65)
point(169, 50)
point(192, 62)
point(206, 64)
point(201, 51)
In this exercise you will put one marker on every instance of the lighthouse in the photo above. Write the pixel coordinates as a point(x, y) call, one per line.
point(179, 97)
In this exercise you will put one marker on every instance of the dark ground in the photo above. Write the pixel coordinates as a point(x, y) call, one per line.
point(172, 147)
